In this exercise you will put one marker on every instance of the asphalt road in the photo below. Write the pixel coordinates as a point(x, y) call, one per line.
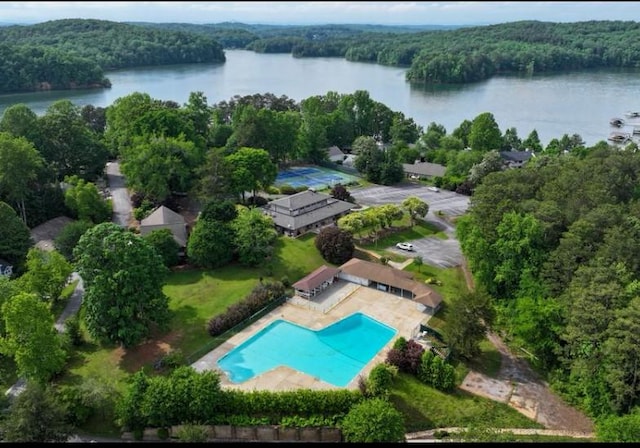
point(442, 253)
point(122, 209)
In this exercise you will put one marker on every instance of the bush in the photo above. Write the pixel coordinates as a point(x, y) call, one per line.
point(192, 433)
point(272, 190)
point(260, 296)
point(72, 330)
point(69, 236)
point(335, 244)
point(380, 380)
point(287, 189)
point(257, 201)
point(165, 245)
point(373, 420)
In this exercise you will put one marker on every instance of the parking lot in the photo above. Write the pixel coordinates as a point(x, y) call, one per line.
point(442, 253)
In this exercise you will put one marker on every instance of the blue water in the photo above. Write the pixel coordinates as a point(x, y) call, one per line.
point(312, 177)
point(335, 354)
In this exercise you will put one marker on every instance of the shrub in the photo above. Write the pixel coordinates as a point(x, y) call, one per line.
point(260, 296)
point(191, 433)
point(373, 420)
point(257, 201)
point(380, 380)
point(272, 190)
point(335, 244)
point(72, 330)
point(287, 189)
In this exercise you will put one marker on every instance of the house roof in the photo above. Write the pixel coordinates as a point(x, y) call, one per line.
point(300, 200)
point(388, 275)
point(165, 218)
point(334, 151)
point(316, 278)
point(162, 215)
point(424, 169)
point(516, 156)
point(332, 208)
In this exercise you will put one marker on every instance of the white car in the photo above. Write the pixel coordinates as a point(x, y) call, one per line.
point(405, 246)
point(436, 189)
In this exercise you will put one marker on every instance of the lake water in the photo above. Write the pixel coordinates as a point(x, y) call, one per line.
point(553, 105)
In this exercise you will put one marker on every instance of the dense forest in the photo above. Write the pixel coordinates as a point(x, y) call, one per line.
point(460, 55)
point(75, 53)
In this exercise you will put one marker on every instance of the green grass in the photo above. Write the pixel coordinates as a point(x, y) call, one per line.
point(195, 296)
point(421, 229)
point(426, 408)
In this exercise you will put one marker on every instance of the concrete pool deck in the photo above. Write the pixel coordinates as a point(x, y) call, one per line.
point(400, 313)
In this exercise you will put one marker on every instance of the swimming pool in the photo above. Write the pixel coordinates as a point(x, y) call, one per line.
point(334, 354)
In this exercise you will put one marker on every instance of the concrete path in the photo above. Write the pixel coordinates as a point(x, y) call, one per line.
point(122, 208)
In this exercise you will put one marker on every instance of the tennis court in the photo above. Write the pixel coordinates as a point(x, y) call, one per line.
point(313, 177)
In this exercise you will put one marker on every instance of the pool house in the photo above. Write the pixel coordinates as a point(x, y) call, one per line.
point(316, 282)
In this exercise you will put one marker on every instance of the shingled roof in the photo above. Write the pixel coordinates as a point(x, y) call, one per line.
point(388, 275)
point(316, 278)
point(165, 218)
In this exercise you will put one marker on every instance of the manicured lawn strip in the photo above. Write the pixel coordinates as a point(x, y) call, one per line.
point(426, 408)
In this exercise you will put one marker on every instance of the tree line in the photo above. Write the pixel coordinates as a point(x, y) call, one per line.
point(75, 53)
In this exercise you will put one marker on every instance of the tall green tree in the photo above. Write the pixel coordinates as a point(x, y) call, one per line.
point(468, 317)
point(20, 121)
point(31, 338)
point(484, 134)
point(85, 201)
point(416, 207)
point(251, 170)
point(36, 416)
point(123, 277)
point(19, 166)
point(68, 145)
point(15, 238)
point(47, 274)
point(255, 236)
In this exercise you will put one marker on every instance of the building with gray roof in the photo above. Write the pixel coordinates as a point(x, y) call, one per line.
point(305, 211)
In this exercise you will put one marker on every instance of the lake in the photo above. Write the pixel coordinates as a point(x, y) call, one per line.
point(553, 105)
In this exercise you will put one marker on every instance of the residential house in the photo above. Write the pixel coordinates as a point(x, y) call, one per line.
point(335, 154)
point(165, 218)
point(423, 169)
point(515, 159)
point(305, 211)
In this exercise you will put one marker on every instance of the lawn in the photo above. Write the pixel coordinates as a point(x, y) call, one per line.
point(426, 408)
point(195, 296)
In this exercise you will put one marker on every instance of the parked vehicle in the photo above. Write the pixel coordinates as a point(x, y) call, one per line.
point(405, 246)
point(436, 189)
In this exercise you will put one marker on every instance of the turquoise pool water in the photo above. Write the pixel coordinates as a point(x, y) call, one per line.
point(335, 354)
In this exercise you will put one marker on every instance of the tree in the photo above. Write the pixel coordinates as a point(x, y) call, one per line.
point(20, 121)
point(467, 318)
point(251, 170)
point(491, 162)
point(31, 338)
point(416, 208)
point(69, 236)
point(213, 176)
point(19, 166)
point(254, 236)
point(340, 193)
point(158, 166)
point(211, 243)
point(623, 428)
point(485, 134)
point(165, 245)
point(36, 415)
point(15, 238)
point(47, 274)
point(335, 245)
point(85, 202)
point(68, 145)
point(123, 277)
point(373, 420)
point(532, 142)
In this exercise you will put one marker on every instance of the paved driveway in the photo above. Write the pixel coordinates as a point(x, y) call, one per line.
point(442, 253)
point(122, 210)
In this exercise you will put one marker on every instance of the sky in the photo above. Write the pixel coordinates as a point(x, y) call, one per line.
point(309, 13)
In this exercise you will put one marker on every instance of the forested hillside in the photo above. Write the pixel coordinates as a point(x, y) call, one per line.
point(453, 55)
point(556, 244)
point(73, 53)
